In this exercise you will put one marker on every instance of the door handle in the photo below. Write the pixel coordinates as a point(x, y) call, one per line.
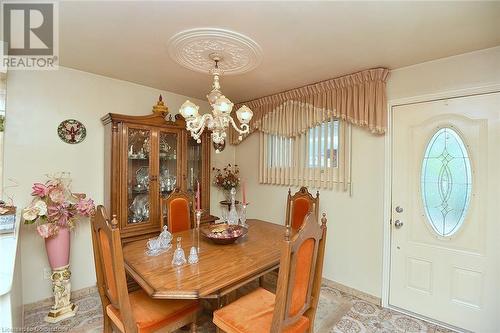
point(398, 224)
point(399, 209)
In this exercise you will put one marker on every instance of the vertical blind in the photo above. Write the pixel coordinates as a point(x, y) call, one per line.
point(319, 157)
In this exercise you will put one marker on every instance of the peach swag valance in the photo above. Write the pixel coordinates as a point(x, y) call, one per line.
point(359, 98)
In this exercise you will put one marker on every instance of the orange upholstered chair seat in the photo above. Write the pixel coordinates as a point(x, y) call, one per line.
point(253, 313)
point(151, 314)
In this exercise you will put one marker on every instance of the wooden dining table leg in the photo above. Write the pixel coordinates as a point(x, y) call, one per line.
point(231, 297)
point(219, 305)
point(262, 281)
point(219, 302)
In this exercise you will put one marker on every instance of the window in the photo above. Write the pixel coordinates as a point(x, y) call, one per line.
point(280, 151)
point(318, 157)
point(323, 145)
point(446, 181)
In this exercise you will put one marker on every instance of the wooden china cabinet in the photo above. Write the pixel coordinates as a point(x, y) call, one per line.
point(146, 157)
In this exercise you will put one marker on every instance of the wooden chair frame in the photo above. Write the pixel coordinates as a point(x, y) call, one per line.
point(303, 192)
point(165, 202)
point(100, 223)
point(310, 229)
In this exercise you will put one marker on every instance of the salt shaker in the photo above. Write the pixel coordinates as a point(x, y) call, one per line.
point(193, 255)
point(179, 258)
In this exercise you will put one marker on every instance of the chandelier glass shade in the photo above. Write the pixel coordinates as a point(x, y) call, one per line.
point(220, 119)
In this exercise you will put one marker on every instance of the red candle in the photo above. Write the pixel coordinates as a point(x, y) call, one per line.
point(198, 206)
point(244, 192)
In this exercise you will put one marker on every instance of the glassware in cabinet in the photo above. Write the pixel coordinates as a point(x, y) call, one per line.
point(138, 175)
point(168, 171)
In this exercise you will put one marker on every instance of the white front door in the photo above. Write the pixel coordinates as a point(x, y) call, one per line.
point(445, 249)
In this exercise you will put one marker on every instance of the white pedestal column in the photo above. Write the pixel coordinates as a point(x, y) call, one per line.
point(61, 287)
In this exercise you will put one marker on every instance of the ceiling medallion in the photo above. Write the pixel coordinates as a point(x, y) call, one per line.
point(192, 49)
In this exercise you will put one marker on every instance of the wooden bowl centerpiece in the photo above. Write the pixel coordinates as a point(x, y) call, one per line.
point(224, 233)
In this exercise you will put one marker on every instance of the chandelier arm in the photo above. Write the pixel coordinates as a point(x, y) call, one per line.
point(201, 121)
point(196, 134)
point(196, 131)
point(244, 127)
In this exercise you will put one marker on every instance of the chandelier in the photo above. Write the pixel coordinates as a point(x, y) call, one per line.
point(218, 122)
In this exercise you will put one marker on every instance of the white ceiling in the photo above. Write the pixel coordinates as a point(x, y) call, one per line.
point(302, 42)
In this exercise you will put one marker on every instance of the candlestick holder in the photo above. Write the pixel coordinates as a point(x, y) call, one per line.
point(243, 214)
point(232, 217)
point(198, 214)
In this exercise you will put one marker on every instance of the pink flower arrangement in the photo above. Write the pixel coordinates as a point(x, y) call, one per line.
point(85, 207)
point(54, 206)
point(40, 190)
point(47, 230)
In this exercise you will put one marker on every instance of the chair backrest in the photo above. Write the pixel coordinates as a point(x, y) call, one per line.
point(298, 205)
point(300, 273)
point(109, 267)
point(177, 209)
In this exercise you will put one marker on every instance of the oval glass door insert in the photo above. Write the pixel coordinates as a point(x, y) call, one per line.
point(446, 181)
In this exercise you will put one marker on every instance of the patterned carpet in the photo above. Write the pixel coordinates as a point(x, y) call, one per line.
point(338, 312)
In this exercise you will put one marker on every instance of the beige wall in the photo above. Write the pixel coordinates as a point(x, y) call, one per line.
point(36, 103)
point(469, 70)
point(355, 235)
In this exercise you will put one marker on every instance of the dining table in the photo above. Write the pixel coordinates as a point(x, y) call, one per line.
point(221, 269)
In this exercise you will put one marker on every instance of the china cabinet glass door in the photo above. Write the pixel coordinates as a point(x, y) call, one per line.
point(168, 171)
point(169, 168)
point(138, 175)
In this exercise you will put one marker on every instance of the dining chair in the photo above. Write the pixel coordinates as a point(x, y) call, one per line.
point(177, 209)
point(293, 308)
point(298, 205)
point(133, 312)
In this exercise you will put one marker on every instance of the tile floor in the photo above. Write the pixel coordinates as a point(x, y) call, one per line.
point(338, 312)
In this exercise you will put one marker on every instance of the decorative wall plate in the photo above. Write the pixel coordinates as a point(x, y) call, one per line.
point(72, 131)
point(192, 49)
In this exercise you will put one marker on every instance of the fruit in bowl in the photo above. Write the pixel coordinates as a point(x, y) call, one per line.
point(224, 233)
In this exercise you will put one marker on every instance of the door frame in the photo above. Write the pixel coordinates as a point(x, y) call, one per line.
point(391, 104)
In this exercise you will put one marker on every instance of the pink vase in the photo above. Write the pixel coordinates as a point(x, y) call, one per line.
point(58, 248)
